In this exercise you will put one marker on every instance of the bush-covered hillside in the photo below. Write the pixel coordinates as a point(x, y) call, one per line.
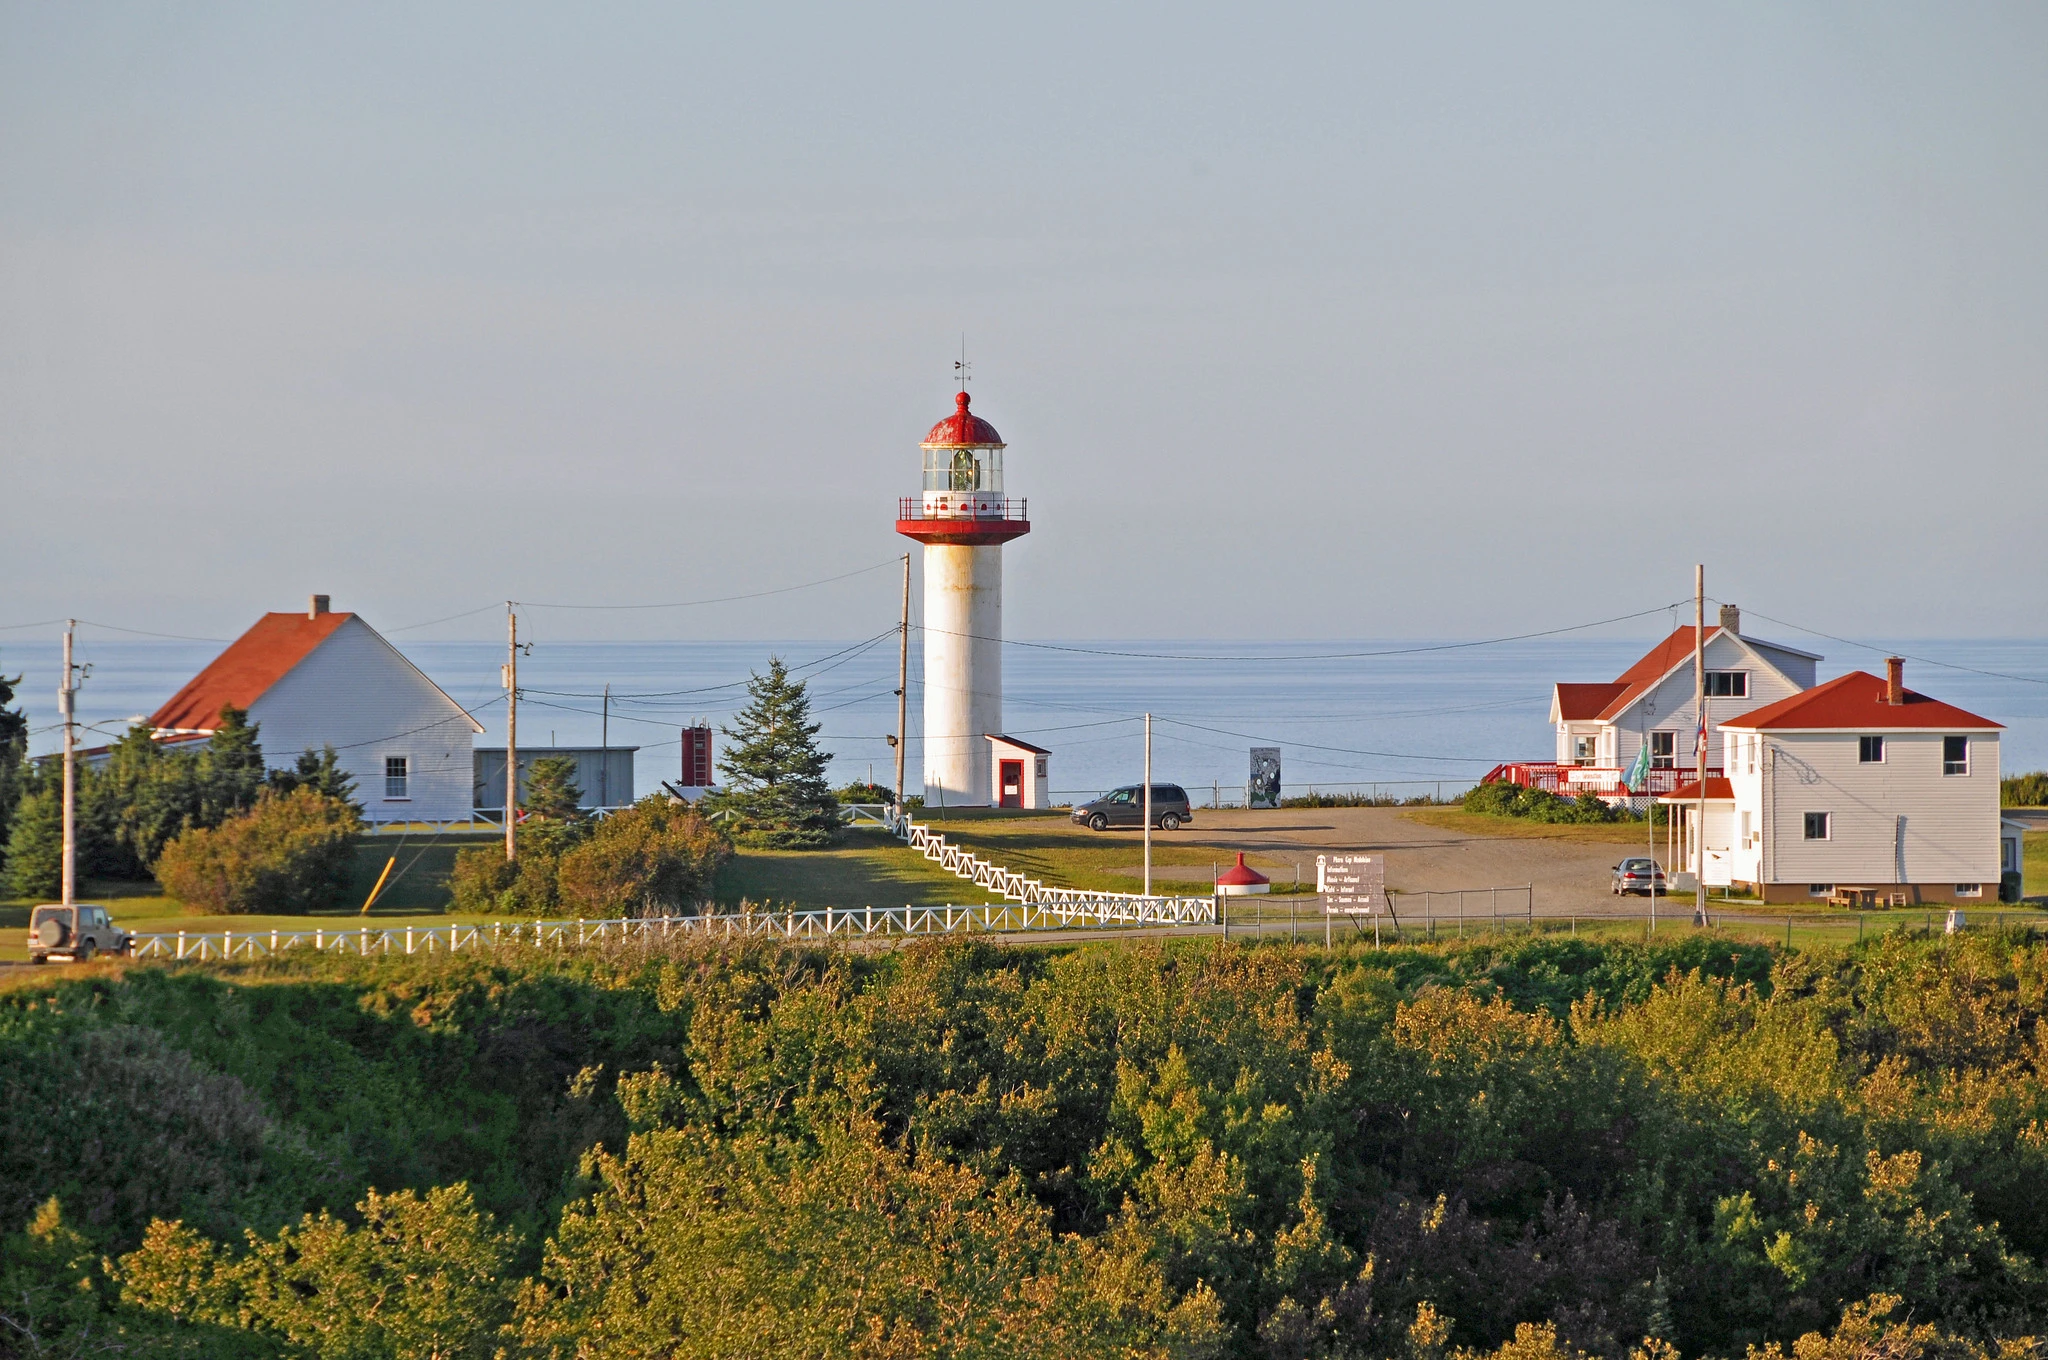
point(1130, 1149)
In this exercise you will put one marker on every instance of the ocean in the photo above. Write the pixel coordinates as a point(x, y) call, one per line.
point(1418, 717)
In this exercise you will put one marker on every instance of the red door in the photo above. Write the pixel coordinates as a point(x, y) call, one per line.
point(1013, 783)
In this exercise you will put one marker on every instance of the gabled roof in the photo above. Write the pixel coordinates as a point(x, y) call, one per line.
point(245, 672)
point(1020, 745)
point(1856, 702)
point(1585, 702)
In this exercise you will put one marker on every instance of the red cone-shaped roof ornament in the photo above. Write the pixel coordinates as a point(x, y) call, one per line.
point(963, 429)
point(1241, 878)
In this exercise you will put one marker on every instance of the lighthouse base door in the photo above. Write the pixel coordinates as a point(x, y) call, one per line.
point(1012, 785)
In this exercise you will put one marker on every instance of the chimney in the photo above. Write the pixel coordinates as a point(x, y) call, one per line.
point(316, 607)
point(1895, 680)
point(1731, 620)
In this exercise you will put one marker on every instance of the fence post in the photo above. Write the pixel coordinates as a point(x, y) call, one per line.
point(181, 944)
point(408, 939)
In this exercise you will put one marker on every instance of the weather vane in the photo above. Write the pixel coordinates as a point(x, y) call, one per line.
point(963, 371)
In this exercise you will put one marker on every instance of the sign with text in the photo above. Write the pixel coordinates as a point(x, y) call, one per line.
point(1262, 788)
point(1352, 885)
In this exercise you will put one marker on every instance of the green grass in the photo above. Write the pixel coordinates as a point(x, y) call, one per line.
point(869, 868)
point(2034, 864)
point(1058, 851)
point(1521, 828)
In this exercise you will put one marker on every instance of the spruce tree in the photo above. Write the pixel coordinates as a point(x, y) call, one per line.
point(775, 793)
point(13, 752)
point(321, 772)
point(230, 769)
point(551, 790)
point(35, 846)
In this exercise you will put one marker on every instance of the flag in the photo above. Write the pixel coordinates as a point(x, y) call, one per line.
point(1640, 771)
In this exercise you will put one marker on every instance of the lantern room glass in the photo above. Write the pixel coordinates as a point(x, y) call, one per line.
point(963, 470)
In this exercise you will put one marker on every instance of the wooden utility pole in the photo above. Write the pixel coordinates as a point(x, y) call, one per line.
point(604, 770)
point(1699, 688)
point(1148, 805)
point(67, 703)
point(902, 682)
point(511, 679)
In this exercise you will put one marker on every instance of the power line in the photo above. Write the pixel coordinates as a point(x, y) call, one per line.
point(449, 618)
point(1307, 656)
point(1888, 651)
point(1338, 750)
point(144, 632)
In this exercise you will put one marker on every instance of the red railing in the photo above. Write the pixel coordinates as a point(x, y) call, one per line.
point(963, 505)
point(1572, 780)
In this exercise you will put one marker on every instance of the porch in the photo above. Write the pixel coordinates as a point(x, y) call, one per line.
point(1606, 781)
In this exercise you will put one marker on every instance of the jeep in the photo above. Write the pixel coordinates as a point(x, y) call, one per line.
point(75, 932)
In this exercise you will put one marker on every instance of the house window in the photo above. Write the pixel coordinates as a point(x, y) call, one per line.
point(1727, 684)
point(1870, 750)
point(1585, 750)
point(1955, 755)
point(1969, 890)
point(1663, 750)
point(1817, 826)
point(394, 776)
point(1820, 890)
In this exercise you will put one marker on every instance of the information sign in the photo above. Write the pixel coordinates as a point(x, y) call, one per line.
point(1352, 885)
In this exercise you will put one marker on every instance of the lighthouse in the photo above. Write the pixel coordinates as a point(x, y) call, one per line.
point(963, 518)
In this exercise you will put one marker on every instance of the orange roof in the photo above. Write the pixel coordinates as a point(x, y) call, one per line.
point(245, 672)
point(1657, 663)
point(1856, 701)
point(1584, 702)
point(1718, 791)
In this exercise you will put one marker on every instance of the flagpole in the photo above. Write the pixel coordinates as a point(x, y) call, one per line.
point(1699, 680)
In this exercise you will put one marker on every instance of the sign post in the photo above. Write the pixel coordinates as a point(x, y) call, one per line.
point(1262, 787)
point(1354, 886)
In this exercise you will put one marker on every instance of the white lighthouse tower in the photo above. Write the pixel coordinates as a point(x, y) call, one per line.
point(963, 519)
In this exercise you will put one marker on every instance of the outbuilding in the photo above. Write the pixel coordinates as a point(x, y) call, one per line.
point(1017, 773)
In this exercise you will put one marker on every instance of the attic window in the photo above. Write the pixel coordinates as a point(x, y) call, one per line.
point(1955, 755)
point(1870, 750)
point(1727, 684)
point(394, 776)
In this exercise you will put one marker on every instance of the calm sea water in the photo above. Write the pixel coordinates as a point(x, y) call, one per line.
point(1409, 722)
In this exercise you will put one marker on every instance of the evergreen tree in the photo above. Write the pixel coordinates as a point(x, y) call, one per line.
point(775, 793)
point(151, 794)
point(13, 752)
point(230, 769)
point(35, 846)
point(551, 791)
point(321, 772)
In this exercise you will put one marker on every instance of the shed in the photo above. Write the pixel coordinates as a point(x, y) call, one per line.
point(1017, 777)
point(604, 774)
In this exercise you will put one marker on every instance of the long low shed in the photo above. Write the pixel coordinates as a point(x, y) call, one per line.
point(603, 773)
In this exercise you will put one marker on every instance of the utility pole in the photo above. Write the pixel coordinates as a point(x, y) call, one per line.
point(604, 770)
point(902, 683)
point(1148, 805)
point(1699, 685)
point(67, 704)
point(511, 680)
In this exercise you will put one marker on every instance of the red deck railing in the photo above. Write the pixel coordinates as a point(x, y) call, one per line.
point(1571, 780)
point(964, 505)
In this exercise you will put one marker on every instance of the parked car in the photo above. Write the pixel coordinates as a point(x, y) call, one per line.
point(1126, 807)
point(76, 932)
point(1637, 876)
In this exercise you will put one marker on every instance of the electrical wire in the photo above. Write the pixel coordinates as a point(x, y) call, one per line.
point(722, 599)
point(1888, 651)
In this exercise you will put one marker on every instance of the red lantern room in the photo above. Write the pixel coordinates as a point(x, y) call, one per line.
point(962, 500)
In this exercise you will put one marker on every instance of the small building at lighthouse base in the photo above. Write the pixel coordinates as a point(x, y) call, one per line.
point(1017, 770)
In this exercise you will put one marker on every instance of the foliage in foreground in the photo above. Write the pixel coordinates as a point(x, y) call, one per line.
point(656, 858)
point(2024, 790)
point(1543, 1150)
point(1501, 799)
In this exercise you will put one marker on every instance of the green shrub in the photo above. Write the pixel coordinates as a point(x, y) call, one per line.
point(1502, 799)
point(484, 881)
point(863, 791)
point(658, 858)
point(291, 852)
point(2024, 790)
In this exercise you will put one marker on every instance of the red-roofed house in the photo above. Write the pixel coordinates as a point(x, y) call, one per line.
point(1601, 726)
point(1863, 785)
point(325, 679)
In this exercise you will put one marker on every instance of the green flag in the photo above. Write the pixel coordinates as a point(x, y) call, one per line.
point(1640, 771)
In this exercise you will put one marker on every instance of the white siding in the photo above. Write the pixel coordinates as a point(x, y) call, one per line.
point(1950, 829)
point(354, 692)
point(1669, 706)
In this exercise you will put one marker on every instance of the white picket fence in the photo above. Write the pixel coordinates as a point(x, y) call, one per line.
point(1028, 905)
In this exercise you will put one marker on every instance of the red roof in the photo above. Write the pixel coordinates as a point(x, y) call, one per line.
point(1657, 663)
point(245, 672)
point(1241, 875)
point(1718, 791)
point(963, 427)
point(1856, 702)
point(1585, 702)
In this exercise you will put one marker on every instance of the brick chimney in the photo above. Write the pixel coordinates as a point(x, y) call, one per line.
point(1895, 680)
point(1731, 620)
point(316, 606)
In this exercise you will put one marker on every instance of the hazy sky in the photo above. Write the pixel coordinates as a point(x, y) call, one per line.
point(1415, 320)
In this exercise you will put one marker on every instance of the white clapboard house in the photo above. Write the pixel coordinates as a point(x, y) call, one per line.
point(318, 678)
point(1859, 787)
point(1600, 726)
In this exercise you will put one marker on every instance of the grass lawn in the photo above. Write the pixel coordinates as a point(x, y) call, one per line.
point(868, 868)
point(1058, 851)
point(2034, 865)
point(1516, 828)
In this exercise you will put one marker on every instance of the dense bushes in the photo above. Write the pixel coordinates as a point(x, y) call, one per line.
point(291, 852)
point(2024, 790)
point(1547, 1147)
point(1501, 799)
point(656, 857)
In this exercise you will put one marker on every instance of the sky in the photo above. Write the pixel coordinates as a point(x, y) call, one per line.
point(1355, 321)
